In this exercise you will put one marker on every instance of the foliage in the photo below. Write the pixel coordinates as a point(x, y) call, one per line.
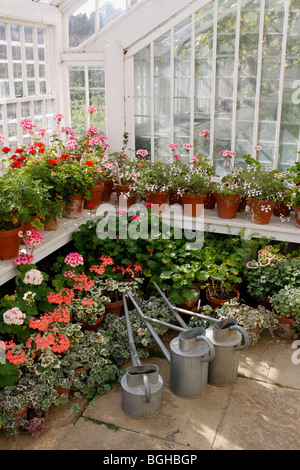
point(271, 272)
point(253, 320)
point(286, 302)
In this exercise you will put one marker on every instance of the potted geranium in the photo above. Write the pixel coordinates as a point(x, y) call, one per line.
point(195, 184)
point(229, 192)
point(114, 289)
point(262, 189)
point(295, 201)
point(153, 184)
point(286, 305)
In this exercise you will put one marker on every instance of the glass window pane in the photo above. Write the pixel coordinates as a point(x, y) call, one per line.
point(82, 24)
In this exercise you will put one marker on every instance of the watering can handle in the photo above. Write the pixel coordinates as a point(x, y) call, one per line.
point(245, 336)
point(147, 396)
point(211, 354)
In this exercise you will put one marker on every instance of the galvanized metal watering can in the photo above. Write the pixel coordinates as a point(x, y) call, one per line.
point(228, 339)
point(189, 356)
point(141, 384)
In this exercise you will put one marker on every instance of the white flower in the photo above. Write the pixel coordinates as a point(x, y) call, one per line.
point(14, 316)
point(34, 277)
point(30, 295)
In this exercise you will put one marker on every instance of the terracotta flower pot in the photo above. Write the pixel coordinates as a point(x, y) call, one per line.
point(53, 224)
point(260, 211)
point(281, 210)
point(227, 205)
point(242, 204)
point(285, 329)
point(297, 216)
point(214, 302)
point(210, 200)
point(193, 204)
point(113, 307)
point(87, 327)
point(73, 209)
point(108, 186)
point(96, 197)
point(124, 201)
point(174, 198)
point(159, 200)
point(9, 243)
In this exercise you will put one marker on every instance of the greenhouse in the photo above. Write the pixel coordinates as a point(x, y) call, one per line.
point(149, 227)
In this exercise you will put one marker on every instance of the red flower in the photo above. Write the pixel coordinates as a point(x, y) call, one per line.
point(6, 149)
point(89, 163)
point(64, 156)
point(19, 150)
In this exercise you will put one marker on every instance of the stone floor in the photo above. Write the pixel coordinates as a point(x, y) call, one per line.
point(261, 411)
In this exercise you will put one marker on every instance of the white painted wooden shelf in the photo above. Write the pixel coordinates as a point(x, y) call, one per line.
point(208, 221)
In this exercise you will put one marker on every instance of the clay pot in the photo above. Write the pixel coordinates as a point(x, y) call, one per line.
point(174, 198)
point(193, 204)
point(281, 210)
point(227, 205)
point(62, 391)
point(108, 186)
point(73, 209)
point(96, 197)
point(159, 200)
point(285, 329)
point(191, 303)
point(27, 226)
point(9, 243)
point(114, 308)
point(124, 201)
point(210, 200)
point(242, 204)
point(214, 302)
point(87, 327)
point(260, 211)
point(297, 216)
point(53, 224)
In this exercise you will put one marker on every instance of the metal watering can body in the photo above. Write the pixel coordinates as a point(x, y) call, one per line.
point(190, 354)
point(142, 391)
point(227, 337)
point(141, 384)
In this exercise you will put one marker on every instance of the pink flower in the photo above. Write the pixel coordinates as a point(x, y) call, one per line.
point(68, 130)
point(27, 124)
point(92, 131)
point(92, 110)
point(224, 153)
point(14, 316)
point(142, 152)
point(33, 237)
point(173, 146)
point(42, 132)
point(257, 148)
point(122, 212)
point(195, 158)
point(204, 133)
point(71, 144)
point(58, 117)
point(187, 147)
point(23, 258)
point(148, 204)
point(74, 259)
point(134, 217)
point(2, 138)
point(109, 165)
point(177, 156)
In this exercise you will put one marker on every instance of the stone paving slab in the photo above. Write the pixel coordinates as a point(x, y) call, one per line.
point(260, 416)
